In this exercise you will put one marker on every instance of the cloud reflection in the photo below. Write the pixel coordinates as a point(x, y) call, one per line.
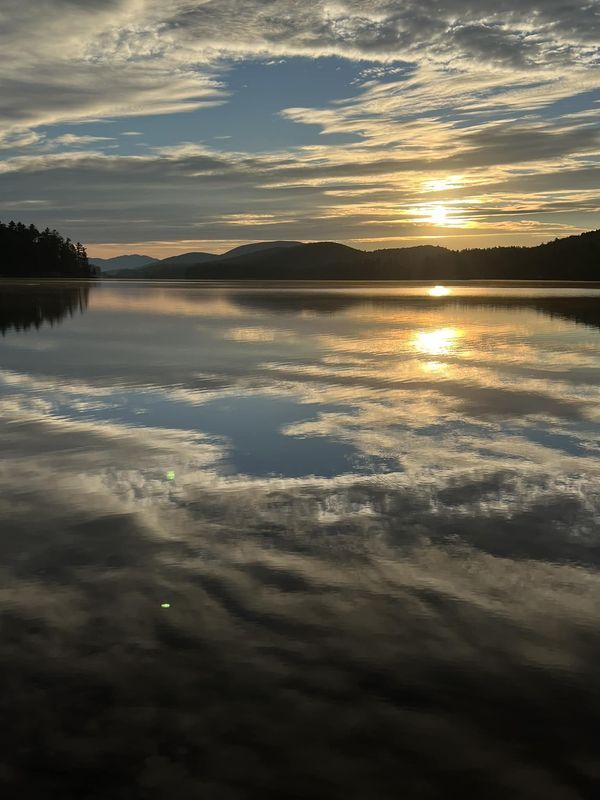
point(331, 631)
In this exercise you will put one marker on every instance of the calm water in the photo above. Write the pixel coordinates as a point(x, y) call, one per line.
point(299, 543)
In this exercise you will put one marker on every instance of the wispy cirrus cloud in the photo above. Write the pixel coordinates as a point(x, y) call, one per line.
point(502, 94)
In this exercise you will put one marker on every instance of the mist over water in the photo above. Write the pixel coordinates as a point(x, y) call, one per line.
point(299, 542)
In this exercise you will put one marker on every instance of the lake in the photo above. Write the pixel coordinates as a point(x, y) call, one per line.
point(300, 541)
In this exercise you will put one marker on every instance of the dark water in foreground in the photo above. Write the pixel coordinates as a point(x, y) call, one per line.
point(299, 543)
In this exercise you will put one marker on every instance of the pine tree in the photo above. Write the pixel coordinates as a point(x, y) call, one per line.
point(26, 252)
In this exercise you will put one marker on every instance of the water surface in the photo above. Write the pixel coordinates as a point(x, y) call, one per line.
point(300, 541)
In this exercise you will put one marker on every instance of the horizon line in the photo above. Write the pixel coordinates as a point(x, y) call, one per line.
point(140, 249)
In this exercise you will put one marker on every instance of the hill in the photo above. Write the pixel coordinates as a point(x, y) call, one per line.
point(122, 262)
point(302, 262)
point(174, 267)
point(247, 249)
point(187, 258)
point(572, 258)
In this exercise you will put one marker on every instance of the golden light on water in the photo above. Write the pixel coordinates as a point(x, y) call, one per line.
point(438, 342)
point(439, 291)
point(434, 367)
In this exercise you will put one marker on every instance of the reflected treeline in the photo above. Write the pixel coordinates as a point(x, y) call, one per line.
point(581, 310)
point(22, 310)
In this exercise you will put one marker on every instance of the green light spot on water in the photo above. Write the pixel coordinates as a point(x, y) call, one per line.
point(165, 605)
point(171, 475)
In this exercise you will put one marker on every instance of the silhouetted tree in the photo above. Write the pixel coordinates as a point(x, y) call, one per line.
point(26, 252)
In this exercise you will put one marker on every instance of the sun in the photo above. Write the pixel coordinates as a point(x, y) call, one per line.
point(443, 215)
point(438, 215)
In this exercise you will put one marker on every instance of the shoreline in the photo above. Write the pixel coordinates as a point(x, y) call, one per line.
point(357, 283)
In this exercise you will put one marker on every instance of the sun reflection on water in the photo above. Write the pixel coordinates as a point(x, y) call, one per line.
point(439, 291)
point(434, 367)
point(437, 342)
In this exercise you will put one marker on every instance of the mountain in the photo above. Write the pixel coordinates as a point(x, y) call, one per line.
point(247, 249)
point(174, 267)
point(188, 258)
point(122, 262)
point(302, 262)
point(574, 258)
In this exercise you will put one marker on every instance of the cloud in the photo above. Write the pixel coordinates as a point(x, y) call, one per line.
point(475, 88)
point(72, 139)
point(315, 194)
point(124, 57)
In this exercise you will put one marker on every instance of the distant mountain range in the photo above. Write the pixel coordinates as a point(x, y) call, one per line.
point(163, 268)
point(122, 262)
point(571, 258)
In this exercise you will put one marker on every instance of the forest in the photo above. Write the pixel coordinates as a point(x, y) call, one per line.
point(574, 258)
point(26, 252)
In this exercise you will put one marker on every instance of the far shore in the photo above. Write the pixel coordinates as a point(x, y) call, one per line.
point(491, 282)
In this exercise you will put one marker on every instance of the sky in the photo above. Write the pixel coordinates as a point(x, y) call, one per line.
point(164, 126)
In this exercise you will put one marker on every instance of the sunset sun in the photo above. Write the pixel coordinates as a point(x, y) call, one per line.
point(439, 215)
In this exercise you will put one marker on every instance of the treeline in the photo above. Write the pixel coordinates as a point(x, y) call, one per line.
point(26, 252)
point(575, 258)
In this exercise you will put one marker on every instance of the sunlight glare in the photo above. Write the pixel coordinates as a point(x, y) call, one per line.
point(434, 367)
point(438, 215)
point(443, 184)
point(442, 215)
point(439, 291)
point(438, 342)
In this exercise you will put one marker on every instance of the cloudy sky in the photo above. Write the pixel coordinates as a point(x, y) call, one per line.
point(161, 126)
